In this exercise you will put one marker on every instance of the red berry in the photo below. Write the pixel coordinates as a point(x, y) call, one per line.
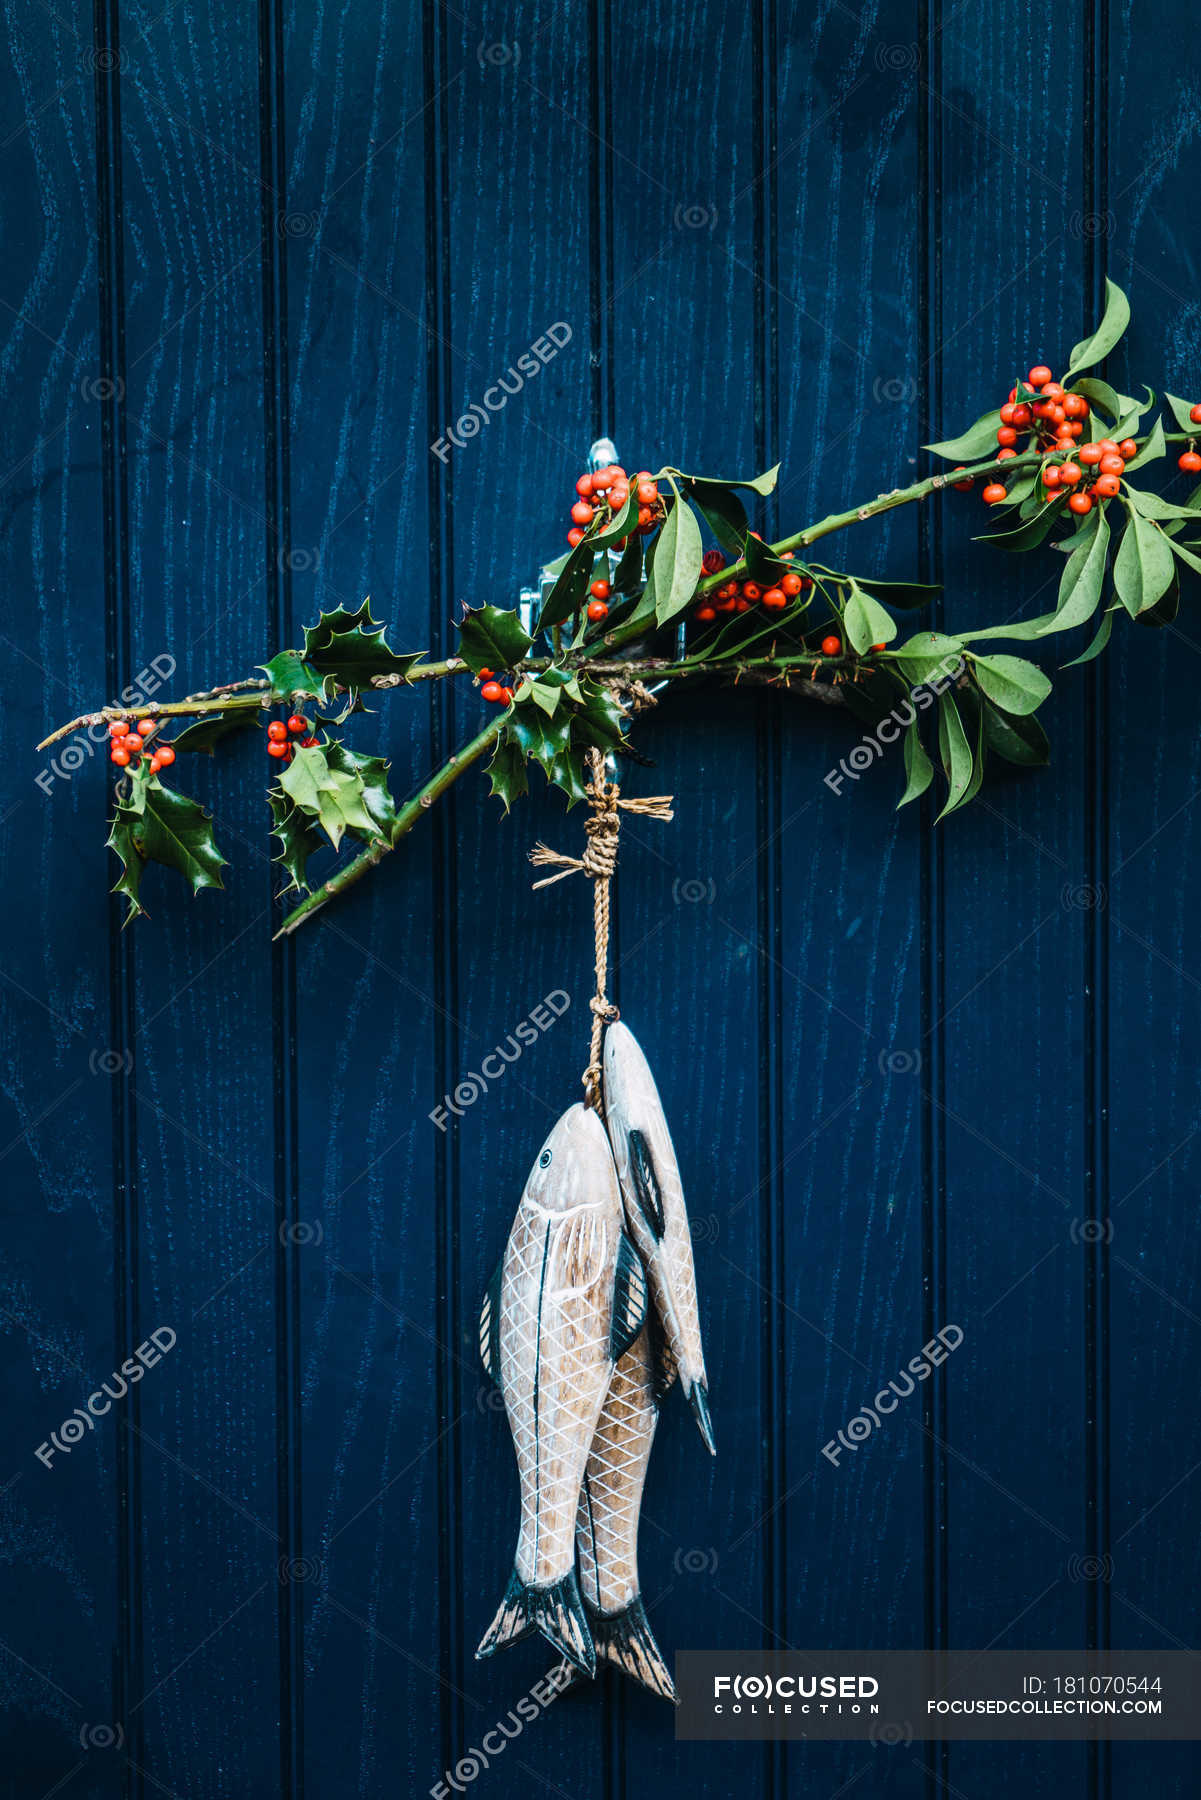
point(600, 590)
point(879, 647)
point(132, 742)
point(1127, 448)
point(1070, 473)
point(1051, 476)
point(581, 512)
point(1038, 376)
point(1107, 486)
point(583, 486)
point(1006, 434)
point(298, 724)
point(1104, 444)
point(1194, 413)
point(574, 536)
point(706, 613)
point(117, 728)
point(165, 755)
point(1021, 416)
point(309, 743)
point(618, 498)
point(484, 674)
point(742, 606)
point(1190, 462)
point(146, 727)
point(506, 694)
point(831, 646)
point(1075, 406)
point(964, 487)
point(791, 584)
point(751, 590)
point(277, 731)
point(277, 749)
point(1081, 503)
point(712, 561)
point(155, 764)
point(995, 491)
point(491, 690)
point(775, 597)
point(1090, 454)
point(1002, 454)
point(644, 518)
point(119, 754)
point(597, 610)
point(1112, 463)
point(648, 493)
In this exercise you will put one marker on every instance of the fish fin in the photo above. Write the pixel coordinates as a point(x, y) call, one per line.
point(664, 1368)
point(626, 1640)
point(698, 1400)
point(490, 1326)
point(646, 1182)
point(629, 1299)
point(557, 1612)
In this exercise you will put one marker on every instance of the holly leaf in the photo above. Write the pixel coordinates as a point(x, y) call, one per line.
point(349, 649)
point(545, 739)
point(866, 622)
point(204, 734)
point(291, 678)
point(1083, 577)
point(1092, 350)
point(490, 638)
point(600, 721)
point(297, 837)
point(121, 841)
point(1012, 683)
point(919, 770)
point(676, 565)
point(372, 772)
point(1143, 567)
point(331, 796)
point(507, 770)
point(976, 442)
point(567, 773)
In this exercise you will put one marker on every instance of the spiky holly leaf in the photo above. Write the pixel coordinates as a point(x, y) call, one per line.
point(567, 773)
point(297, 839)
point(372, 771)
point(536, 735)
point(507, 770)
point(334, 798)
point(204, 734)
point(291, 678)
point(490, 638)
point(600, 720)
point(350, 648)
point(154, 823)
point(121, 840)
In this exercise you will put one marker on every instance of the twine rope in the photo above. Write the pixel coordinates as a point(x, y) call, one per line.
point(602, 829)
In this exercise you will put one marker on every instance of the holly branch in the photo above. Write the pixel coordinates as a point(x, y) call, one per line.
point(1059, 462)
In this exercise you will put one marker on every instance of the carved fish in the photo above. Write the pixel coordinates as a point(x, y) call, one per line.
point(610, 1504)
point(566, 1302)
point(653, 1196)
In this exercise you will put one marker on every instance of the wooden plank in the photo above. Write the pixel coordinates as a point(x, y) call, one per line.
point(203, 1076)
point(1008, 1072)
point(59, 1594)
point(1148, 1272)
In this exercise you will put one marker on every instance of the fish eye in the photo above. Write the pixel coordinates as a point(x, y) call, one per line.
point(544, 1161)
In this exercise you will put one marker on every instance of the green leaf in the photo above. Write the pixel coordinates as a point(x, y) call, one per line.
point(904, 595)
point(601, 720)
point(1083, 577)
point(507, 770)
point(1153, 506)
point(928, 654)
point(173, 829)
point(955, 753)
point(1187, 554)
point(759, 484)
point(1029, 535)
point(491, 638)
point(1166, 607)
point(1182, 408)
point(723, 512)
point(866, 622)
point(567, 773)
point(1020, 740)
point(372, 772)
point(349, 648)
point(1154, 447)
point(1099, 641)
point(1092, 350)
point(537, 736)
point(121, 839)
point(297, 838)
point(1143, 567)
point(976, 443)
point(1098, 393)
point(291, 678)
point(919, 770)
point(677, 562)
point(571, 584)
point(334, 798)
point(1012, 683)
point(204, 734)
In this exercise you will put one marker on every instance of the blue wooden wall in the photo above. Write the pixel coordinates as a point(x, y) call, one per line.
point(253, 265)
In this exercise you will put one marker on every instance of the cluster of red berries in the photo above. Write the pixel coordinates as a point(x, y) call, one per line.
point(126, 744)
point(1054, 420)
point(740, 596)
point(610, 489)
point(277, 737)
point(495, 690)
point(1190, 461)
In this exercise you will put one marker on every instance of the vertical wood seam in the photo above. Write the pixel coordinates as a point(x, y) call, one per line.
point(438, 317)
point(932, 906)
point(128, 1658)
point(277, 546)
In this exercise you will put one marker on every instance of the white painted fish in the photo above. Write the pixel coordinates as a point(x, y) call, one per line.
point(566, 1302)
point(610, 1504)
point(653, 1196)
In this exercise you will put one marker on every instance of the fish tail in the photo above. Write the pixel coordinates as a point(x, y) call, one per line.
point(626, 1640)
point(557, 1612)
point(698, 1399)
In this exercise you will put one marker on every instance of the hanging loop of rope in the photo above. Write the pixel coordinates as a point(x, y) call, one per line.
point(601, 828)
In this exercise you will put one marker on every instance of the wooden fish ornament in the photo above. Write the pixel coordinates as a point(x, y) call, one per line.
point(567, 1301)
point(653, 1196)
point(610, 1503)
